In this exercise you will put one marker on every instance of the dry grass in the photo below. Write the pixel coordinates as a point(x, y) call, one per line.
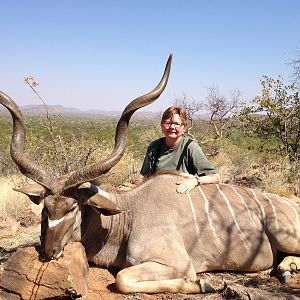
point(128, 168)
point(235, 166)
point(241, 166)
point(12, 204)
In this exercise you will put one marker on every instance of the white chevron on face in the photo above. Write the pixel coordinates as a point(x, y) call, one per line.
point(54, 223)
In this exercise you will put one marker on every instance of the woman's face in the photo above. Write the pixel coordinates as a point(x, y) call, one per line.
point(173, 128)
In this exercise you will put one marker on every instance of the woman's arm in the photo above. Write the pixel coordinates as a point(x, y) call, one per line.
point(209, 178)
point(187, 184)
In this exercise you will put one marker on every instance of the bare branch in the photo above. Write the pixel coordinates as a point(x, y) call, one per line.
point(30, 80)
point(221, 108)
point(191, 106)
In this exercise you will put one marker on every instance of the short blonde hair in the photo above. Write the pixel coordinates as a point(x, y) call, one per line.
point(174, 110)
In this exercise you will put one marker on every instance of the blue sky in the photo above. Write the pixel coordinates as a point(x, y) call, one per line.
point(102, 54)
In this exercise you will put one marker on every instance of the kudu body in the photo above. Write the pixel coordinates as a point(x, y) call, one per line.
point(160, 239)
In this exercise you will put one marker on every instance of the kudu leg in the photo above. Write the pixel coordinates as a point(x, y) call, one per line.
point(289, 264)
point(152, 277)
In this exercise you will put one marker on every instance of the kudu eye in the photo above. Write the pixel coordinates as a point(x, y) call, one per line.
point(74, 206)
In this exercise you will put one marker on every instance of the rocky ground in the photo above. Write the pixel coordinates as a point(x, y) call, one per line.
point(101, 281)
point(237, 286)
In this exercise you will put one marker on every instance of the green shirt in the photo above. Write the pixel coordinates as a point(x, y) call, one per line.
point(194, 162)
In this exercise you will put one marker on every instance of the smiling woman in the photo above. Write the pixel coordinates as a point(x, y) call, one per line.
point(177, 152)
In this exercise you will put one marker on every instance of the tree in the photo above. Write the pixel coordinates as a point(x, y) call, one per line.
point(192, 107)
point(61, 154)
point(221, 108)
point(296, 66)
point(276, 113)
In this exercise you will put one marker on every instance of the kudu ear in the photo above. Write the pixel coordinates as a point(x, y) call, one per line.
point(35, 192)
point(103, 205)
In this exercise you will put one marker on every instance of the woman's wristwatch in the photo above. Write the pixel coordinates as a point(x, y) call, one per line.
point(198, 180)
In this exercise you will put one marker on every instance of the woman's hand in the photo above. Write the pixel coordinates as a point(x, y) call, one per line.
point(187, 184)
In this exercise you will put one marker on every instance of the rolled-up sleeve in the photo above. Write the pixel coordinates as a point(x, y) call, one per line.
point(200, 162)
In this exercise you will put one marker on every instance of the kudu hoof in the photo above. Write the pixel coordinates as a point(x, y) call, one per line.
point(285, 276)
point(206, 287)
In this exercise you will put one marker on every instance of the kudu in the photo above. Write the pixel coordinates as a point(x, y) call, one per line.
point(159, 238)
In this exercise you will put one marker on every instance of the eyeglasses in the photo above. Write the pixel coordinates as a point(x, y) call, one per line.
point(176, 125)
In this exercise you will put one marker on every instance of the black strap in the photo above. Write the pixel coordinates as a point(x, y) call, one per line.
point(160, 142)
point(183, 154)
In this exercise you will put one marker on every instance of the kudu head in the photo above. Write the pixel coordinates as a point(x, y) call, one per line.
point(64, 196)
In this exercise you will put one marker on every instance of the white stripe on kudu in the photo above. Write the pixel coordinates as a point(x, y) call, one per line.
point(54, 223)
point(245, 204)
point(274, 212)
point(210, 223)
point(234, 218)
point(194, 215)
point(291, 204)
point(261, 207)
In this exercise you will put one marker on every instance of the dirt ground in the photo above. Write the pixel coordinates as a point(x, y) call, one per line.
point(239, 286)
point(101, 281)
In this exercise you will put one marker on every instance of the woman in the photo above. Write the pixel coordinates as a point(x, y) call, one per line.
point(177, 152)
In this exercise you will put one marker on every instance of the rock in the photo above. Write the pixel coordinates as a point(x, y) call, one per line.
point(240, 292)
point(26, 277)
point(28, 218)
point(8, 228)
point(37, 209)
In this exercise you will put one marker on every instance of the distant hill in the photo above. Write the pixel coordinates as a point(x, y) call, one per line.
point(39, 109)
point(52, 109)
